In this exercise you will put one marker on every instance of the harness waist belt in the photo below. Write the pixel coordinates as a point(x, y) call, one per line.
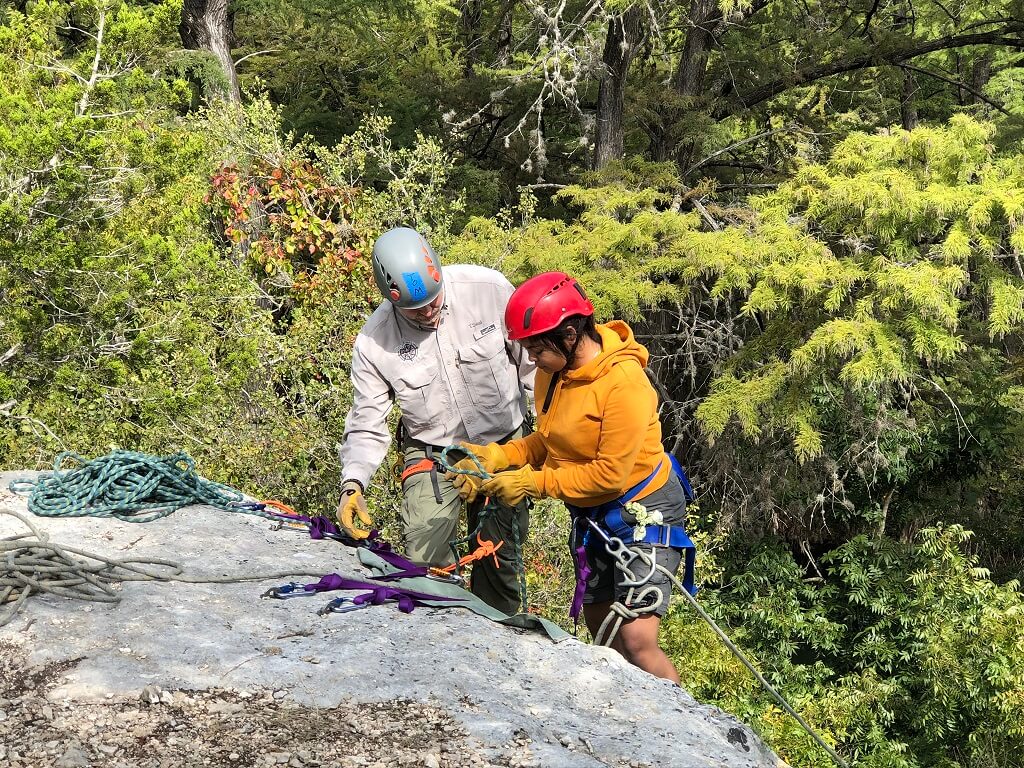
point(423, 465)
point(659, 535)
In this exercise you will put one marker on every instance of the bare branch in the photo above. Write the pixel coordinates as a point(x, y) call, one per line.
point(7, 411)
point(83, 103)
point(740, 143)
point(13, 351)
point(959, 84)
point(875, 58)
point(256, 53)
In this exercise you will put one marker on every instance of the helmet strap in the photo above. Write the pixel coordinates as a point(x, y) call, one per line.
point(570, 352)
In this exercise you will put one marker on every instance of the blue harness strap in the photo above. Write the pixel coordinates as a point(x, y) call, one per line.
point(660, 536)
point(683, 479)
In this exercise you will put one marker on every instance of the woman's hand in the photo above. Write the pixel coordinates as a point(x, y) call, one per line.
point(513, 486)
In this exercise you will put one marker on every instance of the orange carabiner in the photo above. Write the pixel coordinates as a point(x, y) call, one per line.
point(285, 509)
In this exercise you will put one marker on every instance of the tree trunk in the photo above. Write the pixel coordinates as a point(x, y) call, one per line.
point(908, 110)
point(503, 36)
point(469, 31)
point(620, 47)
point(981, 73)
point(206, 26)
point(688, 78)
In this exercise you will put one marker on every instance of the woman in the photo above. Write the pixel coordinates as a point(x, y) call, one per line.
point(597, 448)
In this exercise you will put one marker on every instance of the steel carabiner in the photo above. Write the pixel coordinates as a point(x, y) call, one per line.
point(342, 605)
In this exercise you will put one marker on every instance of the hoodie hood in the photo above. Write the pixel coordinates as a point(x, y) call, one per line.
point(617, 345)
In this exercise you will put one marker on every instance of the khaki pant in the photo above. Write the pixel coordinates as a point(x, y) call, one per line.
point(428, 527)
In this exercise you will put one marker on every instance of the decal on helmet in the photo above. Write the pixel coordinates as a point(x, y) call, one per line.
point(431, 269)
point(414, 282)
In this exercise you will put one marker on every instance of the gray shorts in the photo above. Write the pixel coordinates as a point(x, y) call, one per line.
point(605, 583)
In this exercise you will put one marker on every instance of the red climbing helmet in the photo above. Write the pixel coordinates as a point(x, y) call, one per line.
point(543, 302)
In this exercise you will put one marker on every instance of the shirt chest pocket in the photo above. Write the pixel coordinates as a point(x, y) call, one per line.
point(485, 369)
point(418, 395)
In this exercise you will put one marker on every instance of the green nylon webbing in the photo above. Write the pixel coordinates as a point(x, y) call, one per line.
point(130, 486)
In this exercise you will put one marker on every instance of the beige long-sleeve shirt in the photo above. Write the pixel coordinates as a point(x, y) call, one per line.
point(458, 381)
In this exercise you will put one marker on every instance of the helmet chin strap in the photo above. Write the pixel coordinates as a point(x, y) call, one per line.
point(571, 356)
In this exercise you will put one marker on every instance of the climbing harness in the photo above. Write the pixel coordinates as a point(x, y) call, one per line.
point(427, 464)
point(606, 521)
point(638, 603)
point(423, 465)
point(130, 486)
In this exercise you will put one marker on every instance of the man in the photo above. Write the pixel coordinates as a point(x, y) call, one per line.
point(437, 347)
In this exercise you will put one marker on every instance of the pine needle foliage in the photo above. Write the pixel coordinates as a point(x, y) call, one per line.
point(843, 289)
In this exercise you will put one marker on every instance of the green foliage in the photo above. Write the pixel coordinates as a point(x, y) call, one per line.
point(844, 351)
point(850, 290)
point(186, 284)
point(903, 654)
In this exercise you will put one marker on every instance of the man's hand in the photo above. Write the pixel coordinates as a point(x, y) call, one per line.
point(513, 486)
point(352, 505)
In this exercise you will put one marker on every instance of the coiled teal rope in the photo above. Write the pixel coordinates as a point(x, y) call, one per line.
point(130, 486)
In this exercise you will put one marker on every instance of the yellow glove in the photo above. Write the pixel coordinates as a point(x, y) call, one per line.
point(468, 486)
point(493, 459)
point(353, 504)
point(492, 456)
point(513, 486)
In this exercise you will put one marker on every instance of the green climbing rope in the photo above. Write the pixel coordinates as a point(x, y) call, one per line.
point(31, 564)
point(130, 486)
point(489, 509)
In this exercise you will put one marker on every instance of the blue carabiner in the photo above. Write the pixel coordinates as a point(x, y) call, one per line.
point(291, 589)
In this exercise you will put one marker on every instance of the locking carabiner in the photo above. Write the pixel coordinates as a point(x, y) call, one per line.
point(291, 589)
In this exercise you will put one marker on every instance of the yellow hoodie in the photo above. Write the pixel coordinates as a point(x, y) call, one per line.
point(600, 435)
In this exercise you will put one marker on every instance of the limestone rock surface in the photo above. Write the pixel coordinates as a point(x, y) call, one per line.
point(212, 675)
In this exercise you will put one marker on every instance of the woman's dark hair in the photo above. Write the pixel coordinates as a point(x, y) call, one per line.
point(557, 338)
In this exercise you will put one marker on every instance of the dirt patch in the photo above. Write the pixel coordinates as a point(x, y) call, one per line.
point(18, 679)
point(221, 728)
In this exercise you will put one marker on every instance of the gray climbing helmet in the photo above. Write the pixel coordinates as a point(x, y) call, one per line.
point(406, 269)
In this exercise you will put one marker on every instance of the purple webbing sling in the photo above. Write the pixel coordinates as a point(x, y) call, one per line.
point(378, 593)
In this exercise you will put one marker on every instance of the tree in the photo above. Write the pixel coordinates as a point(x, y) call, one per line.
point(621, 46)
point(206, 25)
